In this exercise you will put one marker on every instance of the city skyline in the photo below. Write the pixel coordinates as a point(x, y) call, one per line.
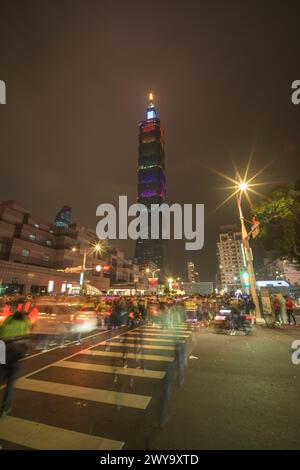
point(149, 230)
point(69, 130)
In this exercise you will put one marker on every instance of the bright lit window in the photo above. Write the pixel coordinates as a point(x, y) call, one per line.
point(32, 236)
point(150, 114)
point(50, 286)
point(25, 252)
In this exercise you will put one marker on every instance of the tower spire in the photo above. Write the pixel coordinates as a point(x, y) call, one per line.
point(151, 111)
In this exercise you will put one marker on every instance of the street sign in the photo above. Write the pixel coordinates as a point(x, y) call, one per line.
point(255, 227)
point(76, 269)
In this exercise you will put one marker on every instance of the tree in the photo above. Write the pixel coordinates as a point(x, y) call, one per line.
point(279, 218)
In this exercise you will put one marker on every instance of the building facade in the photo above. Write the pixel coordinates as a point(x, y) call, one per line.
point(151, 185)
point(284, 269)
point(201, 288)
point(230, 258)
point(123, 270)
point(35, 252)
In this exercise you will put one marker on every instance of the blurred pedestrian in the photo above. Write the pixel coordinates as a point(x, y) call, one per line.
point(277, 310)
point(289, 305)
point(15, 333)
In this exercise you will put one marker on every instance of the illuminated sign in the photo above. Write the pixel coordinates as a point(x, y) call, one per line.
point(50, 286)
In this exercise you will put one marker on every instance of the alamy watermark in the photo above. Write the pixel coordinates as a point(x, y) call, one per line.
point(2, 92)
point(296, 94)
point(296, 354)
point(152, 222)
point(2, 352)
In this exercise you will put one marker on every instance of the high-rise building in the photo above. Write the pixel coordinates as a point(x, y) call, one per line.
point(151, 185)
point(230, 257)
point(193, 275)
point(63, 217)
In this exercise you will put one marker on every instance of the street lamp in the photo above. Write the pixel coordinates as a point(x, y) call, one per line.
point(152, 273)
point(95, 248)
point(243, 186)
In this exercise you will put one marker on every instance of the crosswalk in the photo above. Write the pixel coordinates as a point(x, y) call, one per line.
point(122, 373)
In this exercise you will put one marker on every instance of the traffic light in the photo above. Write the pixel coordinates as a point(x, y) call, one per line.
point(246, 279)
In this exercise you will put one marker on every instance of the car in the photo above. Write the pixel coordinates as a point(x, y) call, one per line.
point(63, 318)
point(84, 320)
point(53, 319)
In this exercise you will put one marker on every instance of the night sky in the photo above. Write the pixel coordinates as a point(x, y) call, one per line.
point(78, 73)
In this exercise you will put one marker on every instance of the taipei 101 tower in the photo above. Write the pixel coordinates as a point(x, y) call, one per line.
point(151, 185)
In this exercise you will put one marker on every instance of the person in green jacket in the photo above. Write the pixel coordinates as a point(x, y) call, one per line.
point(15, 332)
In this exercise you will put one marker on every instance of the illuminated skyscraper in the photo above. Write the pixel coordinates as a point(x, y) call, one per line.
point(151, 184)
point(193, 275)
point(63, 217)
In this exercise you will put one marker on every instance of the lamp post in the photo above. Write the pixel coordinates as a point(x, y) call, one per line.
point(248, 254)
point(96, 248)
point(152, 272)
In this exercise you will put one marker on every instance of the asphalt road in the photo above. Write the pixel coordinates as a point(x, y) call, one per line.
point(243, 392)
point(240, 392)
point(102, 394)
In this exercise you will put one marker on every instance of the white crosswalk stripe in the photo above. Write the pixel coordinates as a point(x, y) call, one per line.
point(149, 357)
point(159, 333)
point(43, 437)
point(85, 393)
point(37, 435)
point(155, 340)
point(123, 344)
point(144, 373)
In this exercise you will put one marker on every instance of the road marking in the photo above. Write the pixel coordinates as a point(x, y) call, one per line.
point(159, 333)
point(64, 346)
point(43, 437)
point(151, 339)
point(150, 357)
point(123, 344)
point(65, 358)
point(85, 393)
point(149, 327)
point(145, 373)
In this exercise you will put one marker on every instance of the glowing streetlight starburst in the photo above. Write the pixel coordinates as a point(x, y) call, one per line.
point(242, 184)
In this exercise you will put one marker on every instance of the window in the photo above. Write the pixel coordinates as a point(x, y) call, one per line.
point(32, 236)
point(37, 225)
point(51, 231)
point(151, 114)
point(46, 257)
point(49, 242)
point(25, 252)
